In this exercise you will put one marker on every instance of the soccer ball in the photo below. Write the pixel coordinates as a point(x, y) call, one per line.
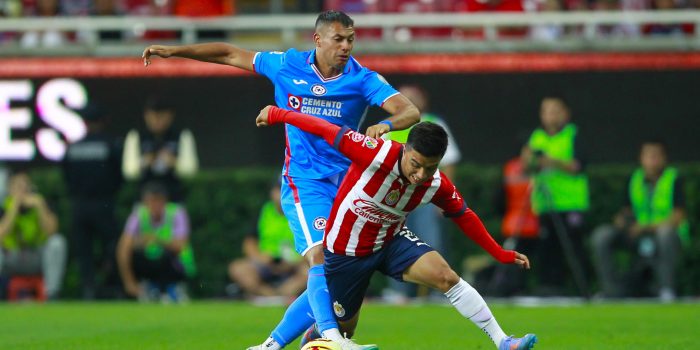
point(321, 344)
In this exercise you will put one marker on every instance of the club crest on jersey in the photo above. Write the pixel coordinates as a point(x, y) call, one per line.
point(356, 137)
point(338, 309)
point(318, 89)
point(294, 102)
point(320, 223)
point(370, 143)
point(392, 197)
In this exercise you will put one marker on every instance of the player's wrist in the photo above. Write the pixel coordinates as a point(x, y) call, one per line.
point(388, 123)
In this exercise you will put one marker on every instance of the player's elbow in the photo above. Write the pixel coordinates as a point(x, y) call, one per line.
point(412, 114)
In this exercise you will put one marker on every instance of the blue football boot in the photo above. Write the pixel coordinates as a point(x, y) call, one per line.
point(525, 343)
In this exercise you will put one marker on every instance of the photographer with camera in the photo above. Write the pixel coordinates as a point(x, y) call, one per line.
point(559, 198)
point(29, 244)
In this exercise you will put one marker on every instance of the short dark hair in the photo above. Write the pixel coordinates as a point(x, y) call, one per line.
point(656, 142)
point(332, 16)
point(428, 139)
point(160, 103)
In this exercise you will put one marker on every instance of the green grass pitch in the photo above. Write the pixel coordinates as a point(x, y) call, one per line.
point(234, 326)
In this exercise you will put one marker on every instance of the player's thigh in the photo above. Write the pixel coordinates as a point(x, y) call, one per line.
point(347, 278)
point(433, 271)
point(401, 253)
point(306, 204)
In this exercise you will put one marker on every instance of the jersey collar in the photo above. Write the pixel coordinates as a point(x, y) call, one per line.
point(312, 59)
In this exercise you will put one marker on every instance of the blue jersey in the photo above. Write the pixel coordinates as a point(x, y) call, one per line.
point(342, 100)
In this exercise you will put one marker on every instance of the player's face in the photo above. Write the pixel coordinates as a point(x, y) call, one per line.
point(334, 44)
point(417, 167)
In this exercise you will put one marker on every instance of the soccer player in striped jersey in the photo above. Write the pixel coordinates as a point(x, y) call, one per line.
point(331, 85)
point(365, 231)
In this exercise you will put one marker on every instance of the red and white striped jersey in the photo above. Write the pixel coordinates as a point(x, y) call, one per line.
point(375, 198)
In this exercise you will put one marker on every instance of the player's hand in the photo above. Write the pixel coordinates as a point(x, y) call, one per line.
point(261, 119)
point(33, 200)
point(377, 130)
point(155, 50)
point(522, 260)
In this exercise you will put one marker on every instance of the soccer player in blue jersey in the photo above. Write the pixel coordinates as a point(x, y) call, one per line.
point(327, 83)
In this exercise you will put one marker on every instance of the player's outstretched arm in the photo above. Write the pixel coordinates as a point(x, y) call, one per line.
point(271, 115)
point(472, 226)
point(403, 115)
point(221, 53)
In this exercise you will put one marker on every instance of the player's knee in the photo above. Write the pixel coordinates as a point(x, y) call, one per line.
point(446, 279)
point(236, 269)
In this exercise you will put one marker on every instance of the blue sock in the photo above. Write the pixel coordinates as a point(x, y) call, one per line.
point(320, 299)
point(297, 319)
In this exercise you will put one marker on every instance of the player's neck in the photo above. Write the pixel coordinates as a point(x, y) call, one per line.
point(327, 71)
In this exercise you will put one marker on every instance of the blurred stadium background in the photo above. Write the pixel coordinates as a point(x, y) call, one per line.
point(629, 70)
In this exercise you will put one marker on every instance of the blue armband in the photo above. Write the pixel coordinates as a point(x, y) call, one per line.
point(387, 122)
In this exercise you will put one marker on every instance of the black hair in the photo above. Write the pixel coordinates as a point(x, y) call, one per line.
point(428, 139)
point(154, 187)
point(332, 16)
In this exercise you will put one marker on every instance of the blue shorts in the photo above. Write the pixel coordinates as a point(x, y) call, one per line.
point(306, 204)
point(348, 276)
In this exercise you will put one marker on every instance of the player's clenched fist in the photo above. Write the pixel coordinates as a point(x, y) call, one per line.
point(261, 119)
point(157, 50)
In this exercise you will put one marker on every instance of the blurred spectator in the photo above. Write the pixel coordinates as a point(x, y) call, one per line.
point(205, 8)
point(161, 152)
point(617, 29)
point(150, 8)
point(75, 7)
point(519, 226)
point(154, 254)
point(107, 8)
point(92, 171)
point(354, 6)
point(675, 29)
point(270, 266)
point(560, 197)
point(30, 244)
point(426, 221)
point(650, 226)
point(547, 32)
point(45, 38)
point(507, 6)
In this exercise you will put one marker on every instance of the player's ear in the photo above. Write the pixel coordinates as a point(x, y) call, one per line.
point(317, 39)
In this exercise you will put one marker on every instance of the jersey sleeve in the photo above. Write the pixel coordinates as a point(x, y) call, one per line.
point(376, 89)
point(269, 63)
point(357, 147)
point(449, 199)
